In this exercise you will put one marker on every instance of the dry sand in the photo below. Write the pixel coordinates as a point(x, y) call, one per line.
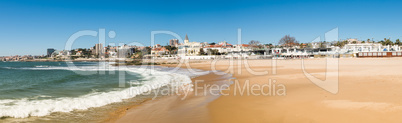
point(370, 90)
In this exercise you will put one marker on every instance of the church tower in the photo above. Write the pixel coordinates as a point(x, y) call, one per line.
point(186, 39)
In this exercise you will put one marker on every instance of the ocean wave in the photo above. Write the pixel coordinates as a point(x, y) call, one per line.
point(22, 108)
point(41, 66)
point(108, 67)
point(7, 67)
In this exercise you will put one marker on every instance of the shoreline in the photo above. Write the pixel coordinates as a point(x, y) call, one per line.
point(367, 87)
point(98, 113)
point(118, 114)
point(175, 105)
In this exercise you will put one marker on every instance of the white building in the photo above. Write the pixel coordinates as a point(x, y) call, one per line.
point(158, 52)
point(189, 48)
point(369, 47)
point(222, 47)
point(241, 48)
point(124, 51)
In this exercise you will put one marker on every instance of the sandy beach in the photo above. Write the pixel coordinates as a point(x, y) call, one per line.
point(369, 91)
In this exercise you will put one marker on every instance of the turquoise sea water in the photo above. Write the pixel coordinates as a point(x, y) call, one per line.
point(34, 81)
point(38, 89)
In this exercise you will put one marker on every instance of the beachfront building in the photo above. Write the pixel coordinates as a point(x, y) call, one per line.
point(50, 51)
point(363, 47)
point(290, 53)
point(221, 48)
point(189, 48)
point(99, 50)
point(174, 42)
point(242, 48)
point(240, 51)
point(119, 52)
point(370, 47)
point(79, 53)
point(112, 54)
point(158, 52)
point(374, 50)
point(63, 54)
point(124, 51)
point(276, 51)
point(319, 44)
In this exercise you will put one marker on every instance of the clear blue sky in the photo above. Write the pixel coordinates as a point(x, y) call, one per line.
point(32, 26)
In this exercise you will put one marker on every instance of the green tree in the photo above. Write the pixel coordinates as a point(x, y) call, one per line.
point(201, 52)
point(216, 52)
point(172, 50)
point(398, 42)
point(147, 50)
point(388, 42)
point(269, 45)
point(339, 44)
point(322, 44)
point(213, 52)
point(382, 42)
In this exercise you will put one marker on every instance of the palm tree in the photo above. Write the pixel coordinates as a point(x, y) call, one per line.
point(398, 42)
point(388, 42)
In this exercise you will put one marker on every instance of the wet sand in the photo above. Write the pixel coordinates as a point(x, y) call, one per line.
point(177, 108)
point(369, 91)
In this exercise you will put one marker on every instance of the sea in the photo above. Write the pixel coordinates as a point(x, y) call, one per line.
point(78, 91)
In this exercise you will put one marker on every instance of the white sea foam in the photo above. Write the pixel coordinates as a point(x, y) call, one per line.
point(41, 66)
point(7, 67)
point(23, 108)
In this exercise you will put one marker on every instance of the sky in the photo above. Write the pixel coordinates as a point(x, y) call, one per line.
point(29, 27)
